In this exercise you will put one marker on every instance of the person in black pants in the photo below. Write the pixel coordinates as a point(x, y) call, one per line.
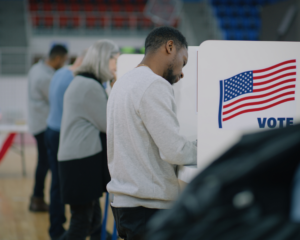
point(39, 78)
point(144, 143)
point(82, 153)
point(37, 203)
point(90, 210)
point(57, 208)
point(59, 83)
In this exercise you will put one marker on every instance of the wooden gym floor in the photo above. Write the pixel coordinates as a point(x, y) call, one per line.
point(16, 221)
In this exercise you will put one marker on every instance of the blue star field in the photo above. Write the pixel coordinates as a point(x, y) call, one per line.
point(238, 85)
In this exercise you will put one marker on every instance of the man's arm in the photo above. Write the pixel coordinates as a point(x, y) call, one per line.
point(157, 110)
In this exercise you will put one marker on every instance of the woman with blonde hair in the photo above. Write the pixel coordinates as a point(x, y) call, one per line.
point(82, 153)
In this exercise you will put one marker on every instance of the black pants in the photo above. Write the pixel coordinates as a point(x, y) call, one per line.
point(85, 221)
point(131, 222)
point(57, 208)
point(42, 166)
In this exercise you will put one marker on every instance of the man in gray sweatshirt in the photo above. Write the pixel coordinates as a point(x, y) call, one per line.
point(39, 78)
point(143, 141)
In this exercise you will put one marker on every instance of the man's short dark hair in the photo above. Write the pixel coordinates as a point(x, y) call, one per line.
point(58, 50)
point(161, 35)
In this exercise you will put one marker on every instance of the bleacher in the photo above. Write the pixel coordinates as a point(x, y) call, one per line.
point(239, 19)
point(89, 14)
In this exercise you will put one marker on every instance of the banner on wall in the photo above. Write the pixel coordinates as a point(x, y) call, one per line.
point(261, 98)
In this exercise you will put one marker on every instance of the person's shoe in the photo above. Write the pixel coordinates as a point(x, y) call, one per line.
point(37, 204)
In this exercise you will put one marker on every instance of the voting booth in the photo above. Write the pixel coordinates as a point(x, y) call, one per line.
point(231, 88)
point(244, 87)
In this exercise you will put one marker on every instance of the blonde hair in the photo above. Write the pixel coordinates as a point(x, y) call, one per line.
point(97, 58)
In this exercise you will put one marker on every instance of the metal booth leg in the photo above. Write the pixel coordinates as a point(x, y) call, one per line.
point(22, 154)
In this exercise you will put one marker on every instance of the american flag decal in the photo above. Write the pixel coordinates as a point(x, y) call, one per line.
point(257, 90)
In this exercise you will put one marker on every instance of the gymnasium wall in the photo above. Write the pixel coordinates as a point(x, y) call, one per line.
point(13, 99)
point(272, 16)
point(42, 44)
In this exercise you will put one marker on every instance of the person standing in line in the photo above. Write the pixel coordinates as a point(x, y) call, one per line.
point(39, 78)
point(144, 146)
point(82, 154)
point(59, 84)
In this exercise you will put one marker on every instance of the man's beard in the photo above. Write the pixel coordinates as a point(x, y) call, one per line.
point(169, 75)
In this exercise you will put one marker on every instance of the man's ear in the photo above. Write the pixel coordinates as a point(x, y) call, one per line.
point(170, 46)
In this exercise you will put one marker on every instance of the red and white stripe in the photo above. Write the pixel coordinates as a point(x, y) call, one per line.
point(271, 86)
point(6, 140)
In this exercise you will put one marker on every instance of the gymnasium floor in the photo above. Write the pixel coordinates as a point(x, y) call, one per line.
point(16, 221)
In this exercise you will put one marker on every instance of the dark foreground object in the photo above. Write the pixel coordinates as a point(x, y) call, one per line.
point(245, 194)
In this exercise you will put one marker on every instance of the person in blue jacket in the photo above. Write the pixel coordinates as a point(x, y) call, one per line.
point(58, 85)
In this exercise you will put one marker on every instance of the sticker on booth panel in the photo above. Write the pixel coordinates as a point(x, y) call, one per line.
point(262, 98)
